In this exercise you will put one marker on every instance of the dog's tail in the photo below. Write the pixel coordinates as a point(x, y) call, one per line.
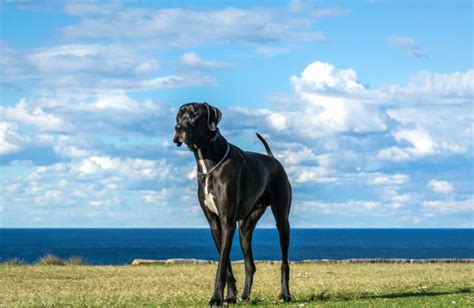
point(265, 144)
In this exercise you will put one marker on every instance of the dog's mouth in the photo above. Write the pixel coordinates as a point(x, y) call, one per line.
point(178, 139)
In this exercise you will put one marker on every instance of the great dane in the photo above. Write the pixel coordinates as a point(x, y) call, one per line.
point(234, 186)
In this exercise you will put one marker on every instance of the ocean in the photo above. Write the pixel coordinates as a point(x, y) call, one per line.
point(121, 246)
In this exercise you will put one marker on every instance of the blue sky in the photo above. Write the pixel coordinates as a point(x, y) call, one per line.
point(368, 105)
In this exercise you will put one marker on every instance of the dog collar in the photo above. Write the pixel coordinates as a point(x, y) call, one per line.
point(203, 175)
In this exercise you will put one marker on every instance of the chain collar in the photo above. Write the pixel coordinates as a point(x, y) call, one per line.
point(203, 175)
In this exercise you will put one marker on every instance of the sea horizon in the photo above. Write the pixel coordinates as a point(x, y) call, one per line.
point(116, 246)
point(260, 228)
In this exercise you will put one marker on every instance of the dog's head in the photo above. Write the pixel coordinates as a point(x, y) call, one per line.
point(196, 123)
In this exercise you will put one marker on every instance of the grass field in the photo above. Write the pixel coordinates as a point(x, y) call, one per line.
point(311, 285)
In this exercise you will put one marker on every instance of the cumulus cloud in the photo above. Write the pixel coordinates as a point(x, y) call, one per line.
point(421, 145)
point(321, 76)
point(10, 140)
point(333, 130)
point(97, 181)
point(441, 187)
point(328, 101)
point(51, 129)
point(408, 44)
point(332, 113)
point(331, 100)
point(446, 89)
point(35, 116)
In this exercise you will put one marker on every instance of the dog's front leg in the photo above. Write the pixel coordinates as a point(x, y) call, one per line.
point(227, 234)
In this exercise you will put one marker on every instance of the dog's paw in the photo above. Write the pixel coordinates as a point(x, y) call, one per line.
point(244, 298)
point(230, 300)
point(215, 301)
point(285, 298)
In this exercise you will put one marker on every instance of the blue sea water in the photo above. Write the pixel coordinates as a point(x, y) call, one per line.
point(121, 246)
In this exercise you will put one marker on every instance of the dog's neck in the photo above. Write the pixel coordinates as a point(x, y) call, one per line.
point(211, 153)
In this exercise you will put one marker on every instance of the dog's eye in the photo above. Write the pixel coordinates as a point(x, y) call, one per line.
point(194, 115)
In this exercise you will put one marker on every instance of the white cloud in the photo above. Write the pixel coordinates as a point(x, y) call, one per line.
point(193, 61)
point(320, 76)
point(12, 64)
point(408, 44)
point(386, 179)
point(437, 207)
point(451, 89)
point(348, 208)
point(332, 103)
point(10, 140)
point(112, 201)
point(297, 155)
point(330, 12)
point(420, 140)
point(49, 129)
point(182, 28)
point(167, 82)
point(278, 121)
point(89, 69)
point(108, 60)
point(300, 174)
point(26, 113)
point(130, 168)
point(357, 127)
point(299, 6)
point(91, 8)
point(441, 187)
point(273, 50)
point(158, 198)
point(97, 181)
point(421, 146)
point(448, 126)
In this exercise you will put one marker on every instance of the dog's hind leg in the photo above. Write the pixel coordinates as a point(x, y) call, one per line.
point(281, 202)
point(246, 227)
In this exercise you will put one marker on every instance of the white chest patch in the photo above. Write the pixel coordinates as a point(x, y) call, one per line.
point(208, 197)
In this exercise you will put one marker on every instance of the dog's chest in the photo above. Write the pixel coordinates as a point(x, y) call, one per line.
point(208, 196)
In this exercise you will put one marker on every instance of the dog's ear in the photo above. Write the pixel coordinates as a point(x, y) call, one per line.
point(214, 117)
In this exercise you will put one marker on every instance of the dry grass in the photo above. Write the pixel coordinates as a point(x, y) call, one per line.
point(314, 284)
point(14, 261)
point(75, 260)
point(50, 260)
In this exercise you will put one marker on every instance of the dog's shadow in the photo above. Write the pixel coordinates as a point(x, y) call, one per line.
point(323, 296)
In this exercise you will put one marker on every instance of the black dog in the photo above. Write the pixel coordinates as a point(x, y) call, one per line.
point(234, 186)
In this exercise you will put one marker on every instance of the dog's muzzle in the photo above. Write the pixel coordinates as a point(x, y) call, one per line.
point(179, 134)
point(178, 139)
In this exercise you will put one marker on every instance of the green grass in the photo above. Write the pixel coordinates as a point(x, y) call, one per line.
point(328, 285)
